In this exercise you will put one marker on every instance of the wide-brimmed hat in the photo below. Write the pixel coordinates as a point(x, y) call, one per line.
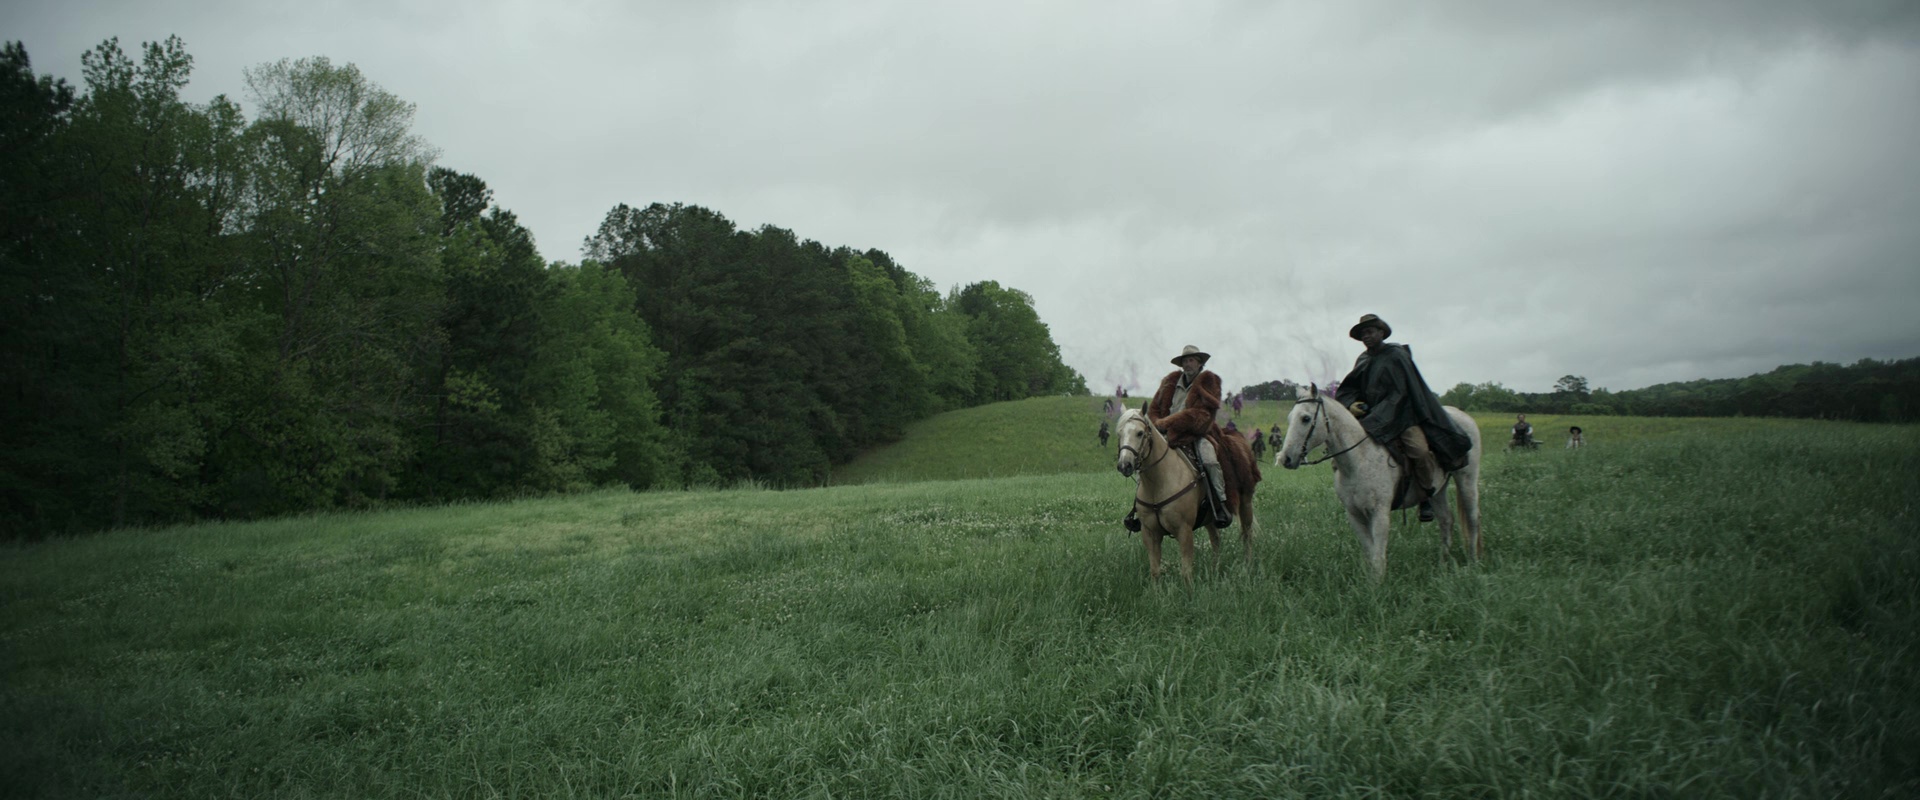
point(1190, 350)
point(1369, 320)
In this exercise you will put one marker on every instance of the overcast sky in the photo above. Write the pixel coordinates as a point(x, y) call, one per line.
point(1632, 192)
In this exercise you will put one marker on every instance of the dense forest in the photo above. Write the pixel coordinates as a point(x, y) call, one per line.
point(204, 315)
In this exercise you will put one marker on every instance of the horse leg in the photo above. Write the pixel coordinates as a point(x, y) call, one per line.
point(1185, 534)
point(1371, 528)
point(1213, 534)
point(1469, 494)
point(1150, 537)
point(1246, 532)
point(1381, 524)
point(1362, 530)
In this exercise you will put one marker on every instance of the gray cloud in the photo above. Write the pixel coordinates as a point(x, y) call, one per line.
point(1636, 192)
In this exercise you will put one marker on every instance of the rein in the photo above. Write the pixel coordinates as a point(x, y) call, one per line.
point(1320, 406)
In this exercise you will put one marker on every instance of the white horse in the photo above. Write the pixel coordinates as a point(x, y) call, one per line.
point(1169, 495)
point(1365, 476)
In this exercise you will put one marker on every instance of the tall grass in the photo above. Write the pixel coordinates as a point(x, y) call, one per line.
point(1727, 610)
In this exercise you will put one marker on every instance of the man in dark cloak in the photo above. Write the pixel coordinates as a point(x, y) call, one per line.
point(1386, 392)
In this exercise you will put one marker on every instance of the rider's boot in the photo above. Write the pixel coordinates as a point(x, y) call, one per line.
point(1217, 497)
point(1430, 477)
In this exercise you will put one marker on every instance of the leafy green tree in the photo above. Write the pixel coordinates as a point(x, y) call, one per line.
point(1484, 397)
point(135, 288)
point(1018, 357)
point(40, 314)
point(1571, 387)
point(1270, 390)
point(681, 262)
point(341, 255)
point(595, 417)
point(478, 439)
point(936, 335)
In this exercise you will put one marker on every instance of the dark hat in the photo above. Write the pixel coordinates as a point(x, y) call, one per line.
point(1190, 350)
point(1574, 429)
point(1369, 320)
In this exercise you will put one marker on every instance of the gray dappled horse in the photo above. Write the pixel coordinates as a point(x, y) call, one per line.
point(1365, 476)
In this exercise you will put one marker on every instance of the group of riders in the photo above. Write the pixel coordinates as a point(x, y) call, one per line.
point(1523, 436)
point(1384, 391)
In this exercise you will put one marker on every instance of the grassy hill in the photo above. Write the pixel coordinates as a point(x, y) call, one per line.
point(1056, 435)
point(1712, 609)
point(1035, 436)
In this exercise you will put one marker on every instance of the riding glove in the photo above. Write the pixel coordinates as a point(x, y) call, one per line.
point(1359, 408)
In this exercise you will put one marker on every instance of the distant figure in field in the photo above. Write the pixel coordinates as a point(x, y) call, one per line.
point(1237, 406)
point(1103, 434)
point(1259, 445)
point(1574, 439)
point(1522, 434)
point(1276, 436)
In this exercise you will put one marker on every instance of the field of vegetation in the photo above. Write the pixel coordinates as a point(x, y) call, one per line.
point(1686, 608)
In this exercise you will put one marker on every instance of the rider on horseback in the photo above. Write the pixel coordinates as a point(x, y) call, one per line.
point(1386, 392)
point(1523, 433)
point(1183, 410)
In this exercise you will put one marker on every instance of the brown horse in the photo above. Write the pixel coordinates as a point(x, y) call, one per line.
point(1169, 494)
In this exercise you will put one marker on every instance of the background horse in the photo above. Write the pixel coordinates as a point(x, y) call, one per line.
point(1170, 494)
point(1365, 476)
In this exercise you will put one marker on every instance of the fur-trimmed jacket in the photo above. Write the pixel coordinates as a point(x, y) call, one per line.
point(1238, 466)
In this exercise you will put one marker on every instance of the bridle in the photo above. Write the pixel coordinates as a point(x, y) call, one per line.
point(1319, 408)
point(1138, 455)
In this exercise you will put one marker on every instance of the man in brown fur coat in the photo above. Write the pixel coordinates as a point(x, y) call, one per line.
point(1184, 409)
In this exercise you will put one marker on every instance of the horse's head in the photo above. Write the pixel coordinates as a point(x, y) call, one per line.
point(1137, 438)
point(1307, 425)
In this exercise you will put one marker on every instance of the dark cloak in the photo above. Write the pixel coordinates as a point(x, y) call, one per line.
point(1397, 398)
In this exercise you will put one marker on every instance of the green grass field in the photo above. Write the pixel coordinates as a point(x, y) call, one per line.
point(1687, 608)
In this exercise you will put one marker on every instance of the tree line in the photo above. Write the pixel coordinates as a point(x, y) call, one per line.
point(1866, 391)
point(204, 315)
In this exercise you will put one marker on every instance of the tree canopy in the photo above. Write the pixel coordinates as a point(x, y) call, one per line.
point(209, 316)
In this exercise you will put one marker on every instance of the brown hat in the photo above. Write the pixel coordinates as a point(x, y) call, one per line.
point(1190, 350)
point(1369, 320)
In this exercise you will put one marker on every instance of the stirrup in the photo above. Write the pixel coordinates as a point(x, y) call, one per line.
point(1426, 511)
point(1131, 521)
